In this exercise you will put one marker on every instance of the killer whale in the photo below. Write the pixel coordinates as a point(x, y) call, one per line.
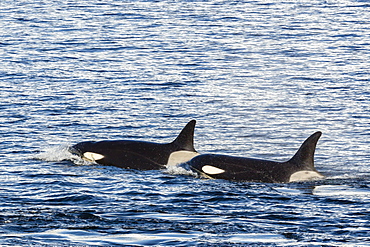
point(139, 155)
point(299, 168)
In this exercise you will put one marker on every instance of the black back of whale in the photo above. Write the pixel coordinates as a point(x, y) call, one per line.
point(256, 170)
point(138, 155)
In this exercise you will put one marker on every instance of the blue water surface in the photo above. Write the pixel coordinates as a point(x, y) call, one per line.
point(258, 76)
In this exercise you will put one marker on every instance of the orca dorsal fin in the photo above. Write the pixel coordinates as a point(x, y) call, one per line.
point(304, 158)
point(185, 140)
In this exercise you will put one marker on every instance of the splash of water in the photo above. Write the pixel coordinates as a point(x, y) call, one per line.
point(59, 153)
point(180, 169)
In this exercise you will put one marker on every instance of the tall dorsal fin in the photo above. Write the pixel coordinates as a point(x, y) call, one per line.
point(185, 140)
point(304, 158)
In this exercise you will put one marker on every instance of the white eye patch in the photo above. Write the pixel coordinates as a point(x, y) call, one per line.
point(92, 156)
point(212, 170)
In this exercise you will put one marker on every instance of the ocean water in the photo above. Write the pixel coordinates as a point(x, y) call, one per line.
point(258, 76)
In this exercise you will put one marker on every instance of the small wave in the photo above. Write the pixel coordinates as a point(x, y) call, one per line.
point(340, 190)
point(70, 198)
point(342, 177)
point(261, 238)
point(83, 237)
point(289, 191)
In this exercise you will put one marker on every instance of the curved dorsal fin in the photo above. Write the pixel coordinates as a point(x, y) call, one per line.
point(304, 157)
point(185, 140)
